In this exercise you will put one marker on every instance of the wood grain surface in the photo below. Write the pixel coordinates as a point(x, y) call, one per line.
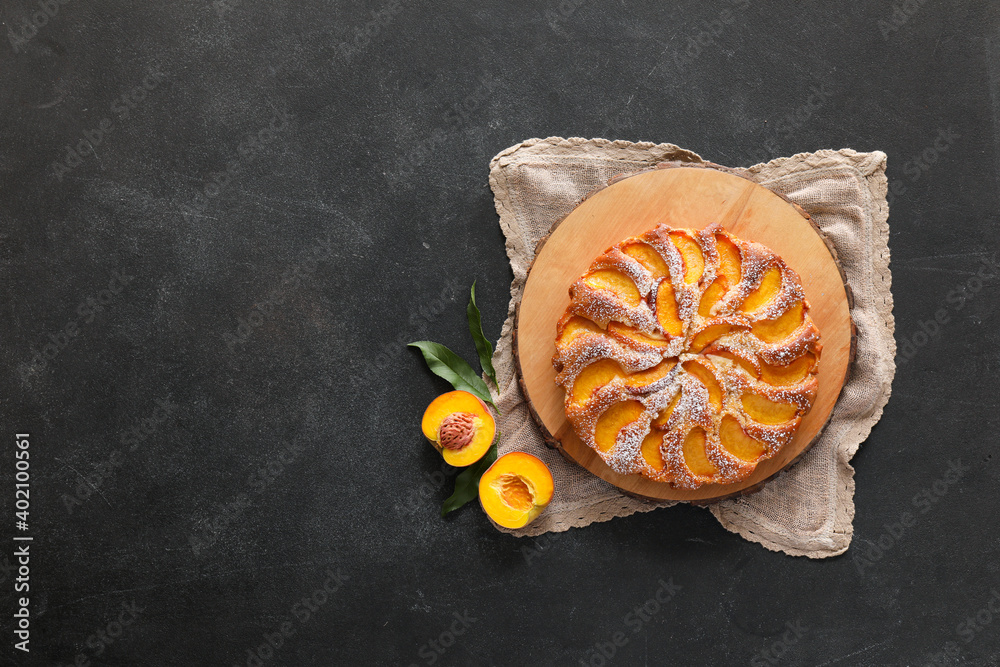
point(681, 195)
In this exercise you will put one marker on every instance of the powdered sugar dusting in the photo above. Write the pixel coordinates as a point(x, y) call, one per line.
point(694, 409)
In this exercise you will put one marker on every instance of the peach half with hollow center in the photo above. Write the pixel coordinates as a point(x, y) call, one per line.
point(460, 426)
point(515, 490)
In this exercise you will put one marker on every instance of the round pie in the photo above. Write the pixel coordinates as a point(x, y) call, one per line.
point(687, 356)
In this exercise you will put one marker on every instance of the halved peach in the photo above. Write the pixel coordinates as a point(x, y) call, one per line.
point(713, 295)
point(730, 261)
point(593, 377)
point(648, 257)
point(613, 420)
point(698, 369)
point(666, 309)
point(651, 450)
point(694, 260)
point(735, 440)
point(765, 411)
point(793, 373)
point(617, 283)
point(781, 327)
point(695, 455)
point(764, 292)
point(571, 326)
point(460, 426)
point(516, 489)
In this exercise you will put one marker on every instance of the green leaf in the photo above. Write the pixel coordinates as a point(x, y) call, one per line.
point(467, 482)
point(445, 363)
point(483, 345)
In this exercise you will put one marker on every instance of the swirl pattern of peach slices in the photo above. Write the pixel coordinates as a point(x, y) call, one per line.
point(687, 356)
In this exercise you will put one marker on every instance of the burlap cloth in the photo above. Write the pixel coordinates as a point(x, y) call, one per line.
point(806, 511)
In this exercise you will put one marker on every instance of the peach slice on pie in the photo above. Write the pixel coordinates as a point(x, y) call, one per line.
point(617, 283)
point(765, 411)
point(735, 440)
point(700, 370)
point(771, 331)
point(793, 373)
point(573, 326)
point(664, 415)
point(593, 377)
point(764, 292)
point(648, 257)
point(666, 309)
point(730, 261)
point(614, 419)
point(651, 450)
point(713, 295)
point(695, 455)
point(694, 260)
point(635, 338)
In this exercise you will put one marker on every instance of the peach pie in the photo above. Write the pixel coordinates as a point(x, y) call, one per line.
point(687, 356)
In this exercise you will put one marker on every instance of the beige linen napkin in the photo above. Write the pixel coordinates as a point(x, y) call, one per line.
point(808, 509)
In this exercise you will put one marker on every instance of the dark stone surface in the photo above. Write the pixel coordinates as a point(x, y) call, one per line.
point(362, 158)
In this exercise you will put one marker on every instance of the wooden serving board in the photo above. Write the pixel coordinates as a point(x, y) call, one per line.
point(689, 196)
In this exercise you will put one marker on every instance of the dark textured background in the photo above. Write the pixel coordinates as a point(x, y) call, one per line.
point(374, 167)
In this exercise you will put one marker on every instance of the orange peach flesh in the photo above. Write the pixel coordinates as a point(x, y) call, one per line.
point(615, 282)
point(613, 420)
point(648, 257)
point(763, 293)
point(694, 261)
point(459, 426)
point(765, 411)
point(515, 489)
point(695, 455)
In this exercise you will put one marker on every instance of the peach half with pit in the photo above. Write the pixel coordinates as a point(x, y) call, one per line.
point(515, 490)
point(460, 426)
